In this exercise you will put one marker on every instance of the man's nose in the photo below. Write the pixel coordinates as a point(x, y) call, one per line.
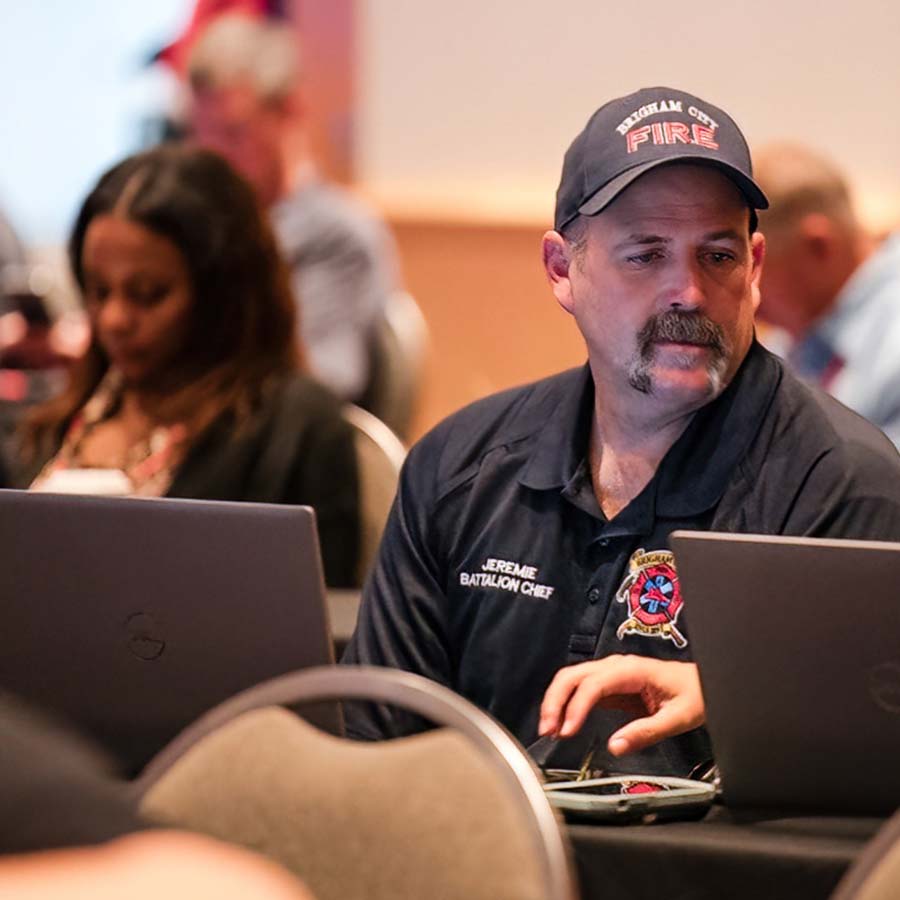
point(687, 291)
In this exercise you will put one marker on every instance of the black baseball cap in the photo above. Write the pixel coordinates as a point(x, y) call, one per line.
point(629, 136)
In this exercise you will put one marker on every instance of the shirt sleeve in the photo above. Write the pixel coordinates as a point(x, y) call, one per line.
point(890, 423)
point(853, 493)
point(342, 290)
point(403, 616)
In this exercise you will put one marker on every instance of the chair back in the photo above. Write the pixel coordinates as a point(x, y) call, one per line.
point(876, 873)
point(379, 456)
point(397, 360)
point(457, 812)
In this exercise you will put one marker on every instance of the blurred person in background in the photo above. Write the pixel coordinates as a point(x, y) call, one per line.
point(29, 361)
point(33, 362)
point(192, 384)
point(12, 253)
point(830, 285)
point(244, 77)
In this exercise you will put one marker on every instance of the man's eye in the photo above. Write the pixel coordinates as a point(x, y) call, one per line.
point(642, 259)
point(719, 257)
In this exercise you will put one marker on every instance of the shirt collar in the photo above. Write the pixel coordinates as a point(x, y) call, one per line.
point(303, 176)
point(699, 466)
point(694, 473)
point(562, 443)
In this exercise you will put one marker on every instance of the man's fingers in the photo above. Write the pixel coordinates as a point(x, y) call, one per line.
point(584, 698)
point(670, 719)
point(556, 697)
point(670, 690)
point(575, 690)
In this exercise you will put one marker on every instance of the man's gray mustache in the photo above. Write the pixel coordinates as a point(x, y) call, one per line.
point(681, 328)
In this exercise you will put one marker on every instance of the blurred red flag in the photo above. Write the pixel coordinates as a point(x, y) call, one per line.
point(175, 54)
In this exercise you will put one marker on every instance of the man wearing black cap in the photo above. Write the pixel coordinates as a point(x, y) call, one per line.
point(530, 531)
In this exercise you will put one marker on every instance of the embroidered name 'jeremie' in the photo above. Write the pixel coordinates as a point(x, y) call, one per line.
point(506, 575)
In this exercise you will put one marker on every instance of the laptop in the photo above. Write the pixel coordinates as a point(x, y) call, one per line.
point(128, 618)
point(798, 646)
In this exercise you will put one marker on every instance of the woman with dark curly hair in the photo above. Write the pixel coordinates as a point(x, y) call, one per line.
point(192, 385)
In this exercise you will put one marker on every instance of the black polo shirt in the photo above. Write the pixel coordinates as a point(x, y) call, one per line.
point(497, 566)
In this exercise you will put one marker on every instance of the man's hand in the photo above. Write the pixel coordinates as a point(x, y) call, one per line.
point(664, 696)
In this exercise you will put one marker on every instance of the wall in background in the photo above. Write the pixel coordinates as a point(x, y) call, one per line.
point(75, 97)
point(465, 108)
point(328, 58)
point(492, 318)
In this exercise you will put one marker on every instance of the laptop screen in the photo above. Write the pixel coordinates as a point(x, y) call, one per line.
point(798, 645)
point(131, 617)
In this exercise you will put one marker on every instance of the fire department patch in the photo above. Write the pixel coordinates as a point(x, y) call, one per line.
point(653, 596)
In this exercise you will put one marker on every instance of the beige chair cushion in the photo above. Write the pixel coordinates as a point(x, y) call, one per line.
point(418, 817)
point(378, 478)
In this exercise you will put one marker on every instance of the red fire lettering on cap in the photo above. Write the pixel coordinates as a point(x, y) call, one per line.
point(671, 133)
point(637, 136)
point(677, 131)
point(705, 137)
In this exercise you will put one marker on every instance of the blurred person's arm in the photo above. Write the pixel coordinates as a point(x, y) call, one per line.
point(147, 866)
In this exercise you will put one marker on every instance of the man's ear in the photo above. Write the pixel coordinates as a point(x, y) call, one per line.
point(758, 256)
point(557, 257)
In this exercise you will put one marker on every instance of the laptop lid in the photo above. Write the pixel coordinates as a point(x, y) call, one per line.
point(131, 617)
point(798, 646)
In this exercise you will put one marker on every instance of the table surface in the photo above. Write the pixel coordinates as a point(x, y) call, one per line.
point(732, 854)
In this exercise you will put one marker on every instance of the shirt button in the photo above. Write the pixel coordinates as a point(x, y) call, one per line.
point(603, 542)
point(593, 594)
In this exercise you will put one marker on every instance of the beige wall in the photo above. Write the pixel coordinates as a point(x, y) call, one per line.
point(466, 107)
point(492, 318)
